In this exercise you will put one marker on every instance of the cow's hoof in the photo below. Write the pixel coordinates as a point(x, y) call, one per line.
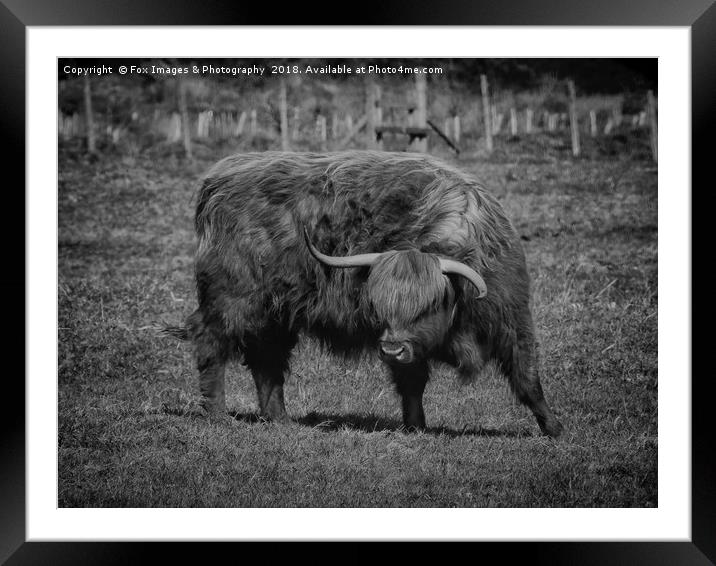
point(214, 410)
point(552, 428)
point(281, 418)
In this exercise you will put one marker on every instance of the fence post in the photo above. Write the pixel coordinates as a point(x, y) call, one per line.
point(240, 125)
point(184, 117)
point(513, 122)
point(617, 115)
point(528, 120)
point(421, 113)
point(486, 115)
point(456, 128)
point(174, 129)
point(498, 121)
point(334, 125)
point(283, 109)
point(651, 101)
point(593, 123)
point(89, 118)
point(370, 112)
point(573, 120)
point(254, 125)
point(378, 109)
point(296, 123)
point(608, 127)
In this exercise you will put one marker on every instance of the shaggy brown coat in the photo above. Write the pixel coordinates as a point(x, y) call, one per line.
point(258, 285)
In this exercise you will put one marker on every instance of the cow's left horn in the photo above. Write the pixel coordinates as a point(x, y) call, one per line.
point(359, 260)
point(452, 266)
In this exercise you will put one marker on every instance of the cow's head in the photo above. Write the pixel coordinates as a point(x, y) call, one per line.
point(411, 297)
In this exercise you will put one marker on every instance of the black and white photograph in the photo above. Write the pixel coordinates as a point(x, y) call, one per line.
point(357, 282)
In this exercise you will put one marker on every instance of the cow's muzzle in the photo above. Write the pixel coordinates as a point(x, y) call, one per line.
point(394, 352)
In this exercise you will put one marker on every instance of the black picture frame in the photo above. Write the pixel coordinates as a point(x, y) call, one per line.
point(17, 15)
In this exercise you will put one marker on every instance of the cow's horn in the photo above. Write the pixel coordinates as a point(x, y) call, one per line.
point(359, 260)
point(452, 266)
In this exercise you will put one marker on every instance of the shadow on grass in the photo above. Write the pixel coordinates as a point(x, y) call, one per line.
point(331, 422)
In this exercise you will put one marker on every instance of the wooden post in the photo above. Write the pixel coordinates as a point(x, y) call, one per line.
point(378, 106)
point(370, 112)
point(203, 120)
point(184, 112)
point(608, 126)
point(573, 119)
point(617, 115)
point(497, 126)
point(446, 127)
point(89, 117)
point(283, 109)
point(296, 123)
point(529, 114)
point(593, 123)
point(378, 109)
point(240, 125)
point(334, 125)
point(653, 130)
point(254, 124)
point(199, 120)
point(456, 128)
point(486, 115)
point(421, 112)
point(513, 122)
point(174, 128)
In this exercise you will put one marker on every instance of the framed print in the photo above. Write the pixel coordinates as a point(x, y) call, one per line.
point(247, 255)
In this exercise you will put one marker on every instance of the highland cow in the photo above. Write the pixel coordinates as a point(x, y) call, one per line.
point(358, 249)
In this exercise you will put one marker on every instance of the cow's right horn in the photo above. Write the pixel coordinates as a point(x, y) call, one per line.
point(458, 268)
point(359, 260)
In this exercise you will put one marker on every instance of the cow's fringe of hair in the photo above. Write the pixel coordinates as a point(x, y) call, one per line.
point(417, 285)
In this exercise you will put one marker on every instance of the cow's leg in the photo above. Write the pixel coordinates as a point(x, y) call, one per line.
point(269, 365)
point(211, 357)
point(269, 378)
point(410, 381)
point(518, 359)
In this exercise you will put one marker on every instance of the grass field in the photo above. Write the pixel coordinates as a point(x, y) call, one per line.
point(132, 435)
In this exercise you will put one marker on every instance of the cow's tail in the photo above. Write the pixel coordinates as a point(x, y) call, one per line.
point(190, 329)
point(179, 332)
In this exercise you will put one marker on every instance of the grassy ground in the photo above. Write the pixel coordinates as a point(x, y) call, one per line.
point(131, 433)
